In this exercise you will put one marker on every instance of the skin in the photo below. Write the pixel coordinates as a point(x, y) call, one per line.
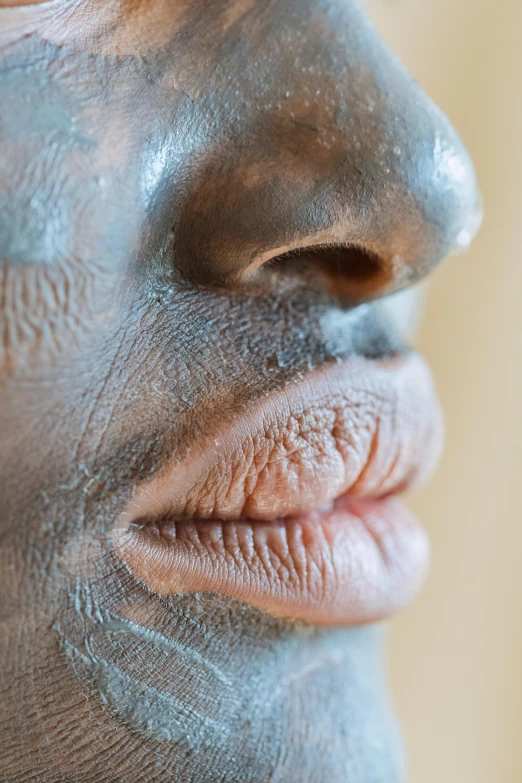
point(154, 157)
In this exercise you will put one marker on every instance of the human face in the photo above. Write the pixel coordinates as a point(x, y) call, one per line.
point(204, 208)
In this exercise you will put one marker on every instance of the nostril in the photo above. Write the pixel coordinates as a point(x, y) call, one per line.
point(350, 272)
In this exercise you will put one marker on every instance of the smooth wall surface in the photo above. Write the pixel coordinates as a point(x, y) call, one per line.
point(456, 655)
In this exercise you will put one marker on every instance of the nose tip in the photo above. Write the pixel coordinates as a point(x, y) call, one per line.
point(426, 205)
point(453, 202)
point(423, 209)
point(470, 228)
point(421, 201)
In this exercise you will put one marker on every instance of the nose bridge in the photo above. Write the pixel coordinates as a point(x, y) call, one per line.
point(405, 176)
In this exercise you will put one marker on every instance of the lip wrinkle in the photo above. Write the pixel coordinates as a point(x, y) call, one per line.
point(344, 551)
point(355, 564)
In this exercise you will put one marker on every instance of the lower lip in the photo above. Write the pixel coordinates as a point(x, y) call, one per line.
point(355, 562)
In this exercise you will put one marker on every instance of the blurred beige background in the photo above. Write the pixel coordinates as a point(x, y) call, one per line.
point(456, 655)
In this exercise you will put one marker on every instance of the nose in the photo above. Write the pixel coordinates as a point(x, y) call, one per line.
point(410, 195)
point(348, 166)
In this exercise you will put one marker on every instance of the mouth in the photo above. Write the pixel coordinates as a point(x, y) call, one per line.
point(291, 506)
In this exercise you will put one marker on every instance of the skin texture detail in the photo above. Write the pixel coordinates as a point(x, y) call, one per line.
point(200, 204)
point(254, 677)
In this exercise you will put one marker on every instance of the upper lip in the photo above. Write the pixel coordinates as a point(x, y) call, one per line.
point(363, 428)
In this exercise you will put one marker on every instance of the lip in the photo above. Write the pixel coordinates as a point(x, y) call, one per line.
point(289, 506)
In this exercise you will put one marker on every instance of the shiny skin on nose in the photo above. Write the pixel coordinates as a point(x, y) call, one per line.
point(348, 167)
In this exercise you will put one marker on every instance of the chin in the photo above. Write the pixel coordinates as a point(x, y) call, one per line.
point(204, 688)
